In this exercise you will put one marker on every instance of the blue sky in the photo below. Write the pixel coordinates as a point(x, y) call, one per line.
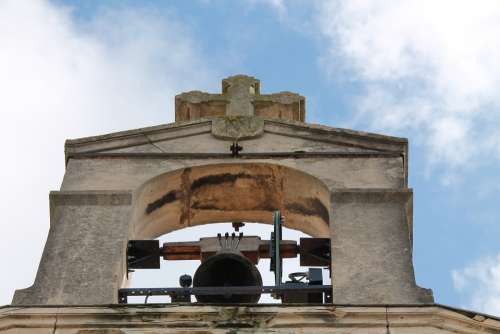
point(424, 70)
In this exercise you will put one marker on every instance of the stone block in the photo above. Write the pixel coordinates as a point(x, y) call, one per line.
point(371, 239)
point(83, 259)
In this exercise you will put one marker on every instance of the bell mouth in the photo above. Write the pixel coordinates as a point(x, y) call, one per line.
point(227, 269)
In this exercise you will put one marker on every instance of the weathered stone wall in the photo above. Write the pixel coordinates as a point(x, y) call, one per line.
point(83, 259)
point(372, 248)
point(129, 173)
point(340, 159)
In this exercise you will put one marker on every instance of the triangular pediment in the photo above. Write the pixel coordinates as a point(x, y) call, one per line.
point(260, 136)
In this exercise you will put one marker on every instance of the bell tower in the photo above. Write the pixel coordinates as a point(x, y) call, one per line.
point(236, 156)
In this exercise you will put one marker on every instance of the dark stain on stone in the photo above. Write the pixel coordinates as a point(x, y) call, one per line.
point(200, 205)
point(100, 331)
point(268, 206)
point(265, 184)
point(186, 213)
point(221, 178)
point(234, 324)
point(312, 207)
point(204, 206)
point(169, 197)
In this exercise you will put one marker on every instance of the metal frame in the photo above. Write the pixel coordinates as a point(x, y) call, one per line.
point(279, 291)
point(275, 244)
point(217, 290)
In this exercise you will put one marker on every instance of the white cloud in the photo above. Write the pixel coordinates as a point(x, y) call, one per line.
point(480, 282)
point(428, 68)
point(66, 77)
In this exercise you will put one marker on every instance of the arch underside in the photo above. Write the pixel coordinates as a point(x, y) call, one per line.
point(231, 193)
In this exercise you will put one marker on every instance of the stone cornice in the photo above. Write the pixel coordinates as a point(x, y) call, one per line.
point(169, 318)
point(181, 129)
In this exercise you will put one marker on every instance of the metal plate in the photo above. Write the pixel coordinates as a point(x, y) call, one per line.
point(143, 254)
point(315, 252)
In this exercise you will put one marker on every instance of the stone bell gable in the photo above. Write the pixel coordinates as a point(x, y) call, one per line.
point(237, 156)
point(234, 156)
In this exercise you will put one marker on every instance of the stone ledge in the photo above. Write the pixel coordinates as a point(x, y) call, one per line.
point(241, 155)
point(171, 318)
point(371, 195)
point(109, 198)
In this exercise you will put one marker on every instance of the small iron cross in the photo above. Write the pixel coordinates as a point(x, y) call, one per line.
point(235, 149)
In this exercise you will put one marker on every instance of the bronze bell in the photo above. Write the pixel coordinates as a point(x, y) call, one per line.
point(227, 268)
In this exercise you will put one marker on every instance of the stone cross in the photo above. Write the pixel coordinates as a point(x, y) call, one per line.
point(240, 97)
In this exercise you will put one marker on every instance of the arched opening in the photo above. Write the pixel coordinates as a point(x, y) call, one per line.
point(180, 201)
point(230, 193)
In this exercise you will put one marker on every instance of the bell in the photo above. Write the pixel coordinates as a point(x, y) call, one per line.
point(226, 269)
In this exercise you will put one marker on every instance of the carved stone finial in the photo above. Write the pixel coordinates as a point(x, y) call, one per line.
point(240, 97)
